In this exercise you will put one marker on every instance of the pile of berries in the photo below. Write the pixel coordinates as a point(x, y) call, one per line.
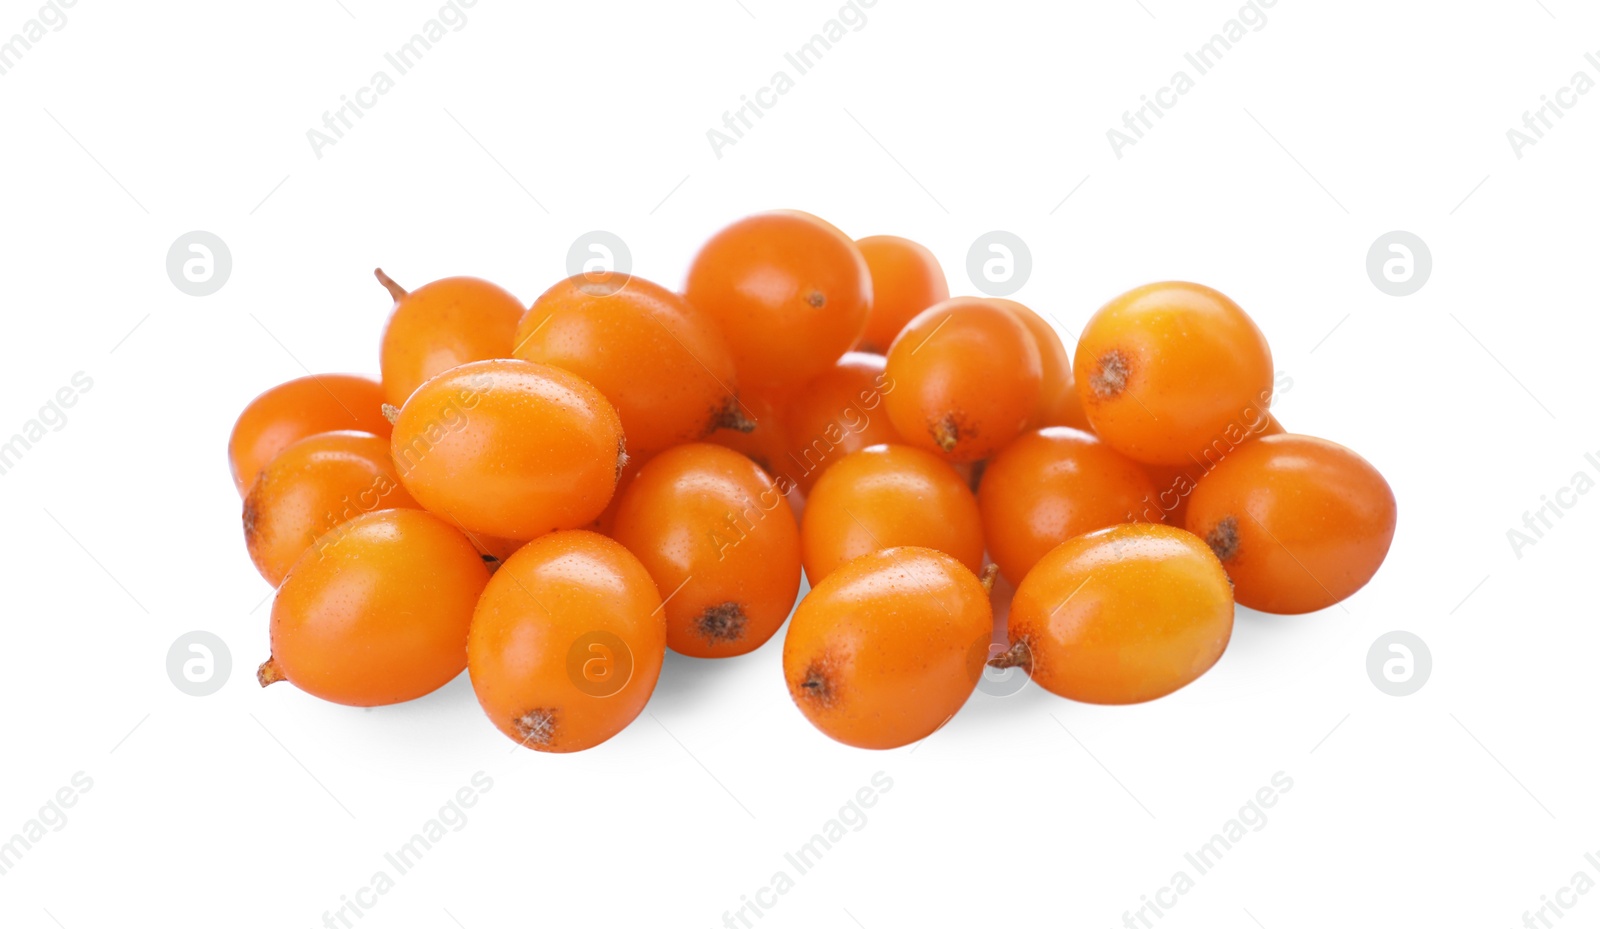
point(550, 497)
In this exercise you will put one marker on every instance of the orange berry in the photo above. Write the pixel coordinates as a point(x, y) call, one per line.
point(607, 520)
point(495, 548)
point(966, 379)
point(888, 647)
point(509, 448)
point(1121, 615)
point(906, 279)
point(790, 292)
point(313, 486)
point(1167, 372)
point(887, 496)
point(720, 541)
point(1174, 484)
point(767, 442)
point(1299, 523)
point(661, 363)
point(838, 412)
point(377, 610)
point(567, 642)
point(1057, 391)
point(1051, 485)
point(442, 325)
point(293, 410)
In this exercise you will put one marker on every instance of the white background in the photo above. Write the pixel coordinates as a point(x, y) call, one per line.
point(1462, 805)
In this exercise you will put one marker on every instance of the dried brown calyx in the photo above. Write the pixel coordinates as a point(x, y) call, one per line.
point(731, 416)
point(269, 673)
point(1017, 656)
point(1224, 538)
point(724, 622)
point(536, 727)
point(1110, 376)
point(818, 686)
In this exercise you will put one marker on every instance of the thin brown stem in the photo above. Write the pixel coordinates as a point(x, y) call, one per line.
point(395, 290)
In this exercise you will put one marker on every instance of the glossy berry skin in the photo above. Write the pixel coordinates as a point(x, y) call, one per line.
point(312, 487)
point(377, 610)
point(1058, 393)
point(567, 642)
point(966, 376)
point(838, 412)
point(661, 363)
point(441, 325)
point(293, 410)
point(1166, 370)
point(906, 279)
point(887, 496)
point(888, 647)
point(1053, 484)
point(509, 448)
point(1175, 484)
point(789, 291)
point(607, 519)
point(1122, 615)
point(496, 548)
point(1300, 523)
point(767, 442)
point(718, 536)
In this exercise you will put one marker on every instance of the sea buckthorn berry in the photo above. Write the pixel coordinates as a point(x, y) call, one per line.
point(790, 292)
point(509, 448)
point(1053, 484)
point(767, 442)
point(442, 325)
point(1175, 483)
point(377, 610)
point(838, 412)
point(1299, 523)
point(966, 376)
point(567, 642)
point(906, 279)
point(607, 519)
point(494, 549)
point(888, 647)
point(886, 496)
point(661, 363)
point(1058, 393)
point(313, 486)
point(1067, 411)
point(293, 410)
point(1168, 372)
point(1121, 615)
point(721, 543)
